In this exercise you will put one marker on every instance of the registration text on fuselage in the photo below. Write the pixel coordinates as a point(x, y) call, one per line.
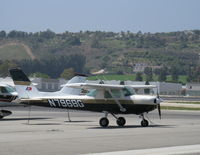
point(66, 103)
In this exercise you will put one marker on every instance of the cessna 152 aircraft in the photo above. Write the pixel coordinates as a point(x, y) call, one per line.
point(8, 94)
point(109, 99)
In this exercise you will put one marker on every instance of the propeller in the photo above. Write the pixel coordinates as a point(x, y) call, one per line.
point(159, 110)
point(159, 100)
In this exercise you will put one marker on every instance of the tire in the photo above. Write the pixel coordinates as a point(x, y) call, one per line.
point(121, 121)
point(104, 122)
point(144, 123)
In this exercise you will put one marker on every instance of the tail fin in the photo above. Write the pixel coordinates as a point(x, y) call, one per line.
point(23, 85)
point(79, 78)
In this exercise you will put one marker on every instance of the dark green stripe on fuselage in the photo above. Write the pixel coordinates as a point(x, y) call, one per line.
point(97, 105)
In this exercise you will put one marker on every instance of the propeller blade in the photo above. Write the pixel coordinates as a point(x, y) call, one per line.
point(159, 110)
point(160, 100)
point(157, 93)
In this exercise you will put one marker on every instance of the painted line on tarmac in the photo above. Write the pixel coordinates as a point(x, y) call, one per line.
point(175, 150)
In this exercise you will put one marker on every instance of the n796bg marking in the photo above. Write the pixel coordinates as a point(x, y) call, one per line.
point(65, 103)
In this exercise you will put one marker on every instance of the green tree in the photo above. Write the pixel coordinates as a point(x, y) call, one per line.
point(5, 66)
point(149, 73)
point(122, 83)
point(174, 73)
point(48, 34)
point(2, 34)
point(74, 41)
point(67, 73)
point(163, 74)
point(138, 76)
point(95, 42)
point(147, 90)
point(194, 75)
point(40, 75)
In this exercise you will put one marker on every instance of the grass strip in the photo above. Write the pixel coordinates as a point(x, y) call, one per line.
point(188, 102)
point(178, 108)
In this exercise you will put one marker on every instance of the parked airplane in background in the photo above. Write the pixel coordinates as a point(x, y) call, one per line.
point(9, 96)
point(109, 99)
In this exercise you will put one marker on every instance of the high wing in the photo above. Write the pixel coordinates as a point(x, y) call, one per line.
point(107, 86)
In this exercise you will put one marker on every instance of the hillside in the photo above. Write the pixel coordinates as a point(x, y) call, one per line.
point(115, 52)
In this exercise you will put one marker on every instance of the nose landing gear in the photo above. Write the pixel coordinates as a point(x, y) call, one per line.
point(144, 122)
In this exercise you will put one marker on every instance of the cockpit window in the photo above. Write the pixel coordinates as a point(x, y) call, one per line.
point(3, 90)
point(127, 91)
point(107, 94)
point(92, 93)
point(7, 89)
point(115, 93)
point(10, 89)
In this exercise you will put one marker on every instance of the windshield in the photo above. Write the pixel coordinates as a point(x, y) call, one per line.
point(10, 89)
point(115, 93)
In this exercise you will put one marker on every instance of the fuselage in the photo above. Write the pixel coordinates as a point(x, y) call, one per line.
point(134, 104)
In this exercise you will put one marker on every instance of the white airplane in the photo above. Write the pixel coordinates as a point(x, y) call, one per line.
point(109, 99)
point(9, 96)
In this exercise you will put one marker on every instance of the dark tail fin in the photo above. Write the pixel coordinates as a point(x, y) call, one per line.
point(22, 84)
point(19, 77)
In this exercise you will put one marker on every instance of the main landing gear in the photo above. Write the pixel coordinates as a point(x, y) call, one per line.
point(104, 122)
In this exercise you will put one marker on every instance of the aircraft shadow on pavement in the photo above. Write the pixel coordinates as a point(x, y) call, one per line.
point(44, 123)
point(19, 119)
point(57, 123)
point(77, 121)
point(133, 126)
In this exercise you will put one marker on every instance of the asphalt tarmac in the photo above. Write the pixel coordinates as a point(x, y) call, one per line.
point(48, 131)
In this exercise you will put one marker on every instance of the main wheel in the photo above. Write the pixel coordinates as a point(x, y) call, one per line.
point(121, 121)
point(104, 122)
point(144, 123)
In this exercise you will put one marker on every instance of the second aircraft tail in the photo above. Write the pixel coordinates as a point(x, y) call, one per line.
point(23, 85)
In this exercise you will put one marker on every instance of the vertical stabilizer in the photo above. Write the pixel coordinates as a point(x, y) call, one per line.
point(23, 85)
point(79, 78)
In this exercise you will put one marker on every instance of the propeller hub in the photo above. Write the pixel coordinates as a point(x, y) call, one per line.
point(158, 100)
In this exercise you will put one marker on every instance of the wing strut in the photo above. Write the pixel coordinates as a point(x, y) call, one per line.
point(122, 109)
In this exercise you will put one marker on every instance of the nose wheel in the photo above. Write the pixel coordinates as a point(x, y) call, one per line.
point(144, 122)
